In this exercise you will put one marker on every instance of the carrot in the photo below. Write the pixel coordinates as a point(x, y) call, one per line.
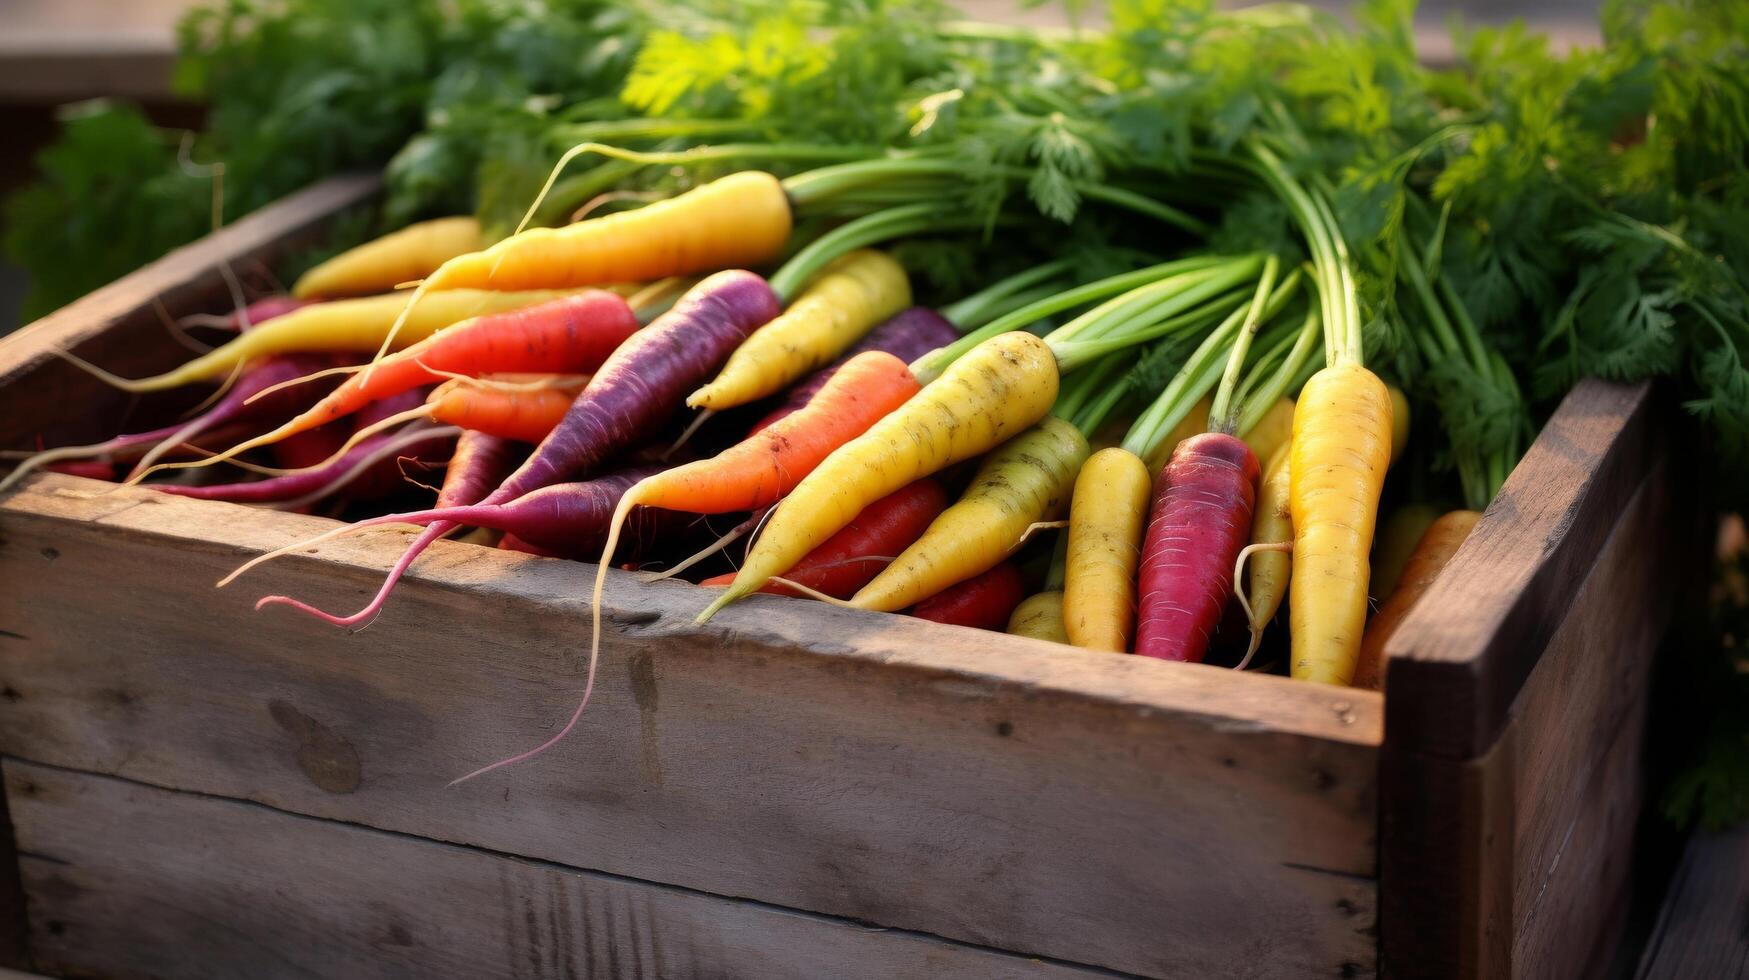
point(1002, 387)
point(1272, 431)
point(1397, 539)
point(1195, 422)
point(1106, 517)
point(309, 485)
point(566, 518)
point(523, 414)
point(768, 465)
point(1341, 449)
point(1021, 482)
point(378, 266)
point(848, 559)
point(480, 461)
point(1272, 535)
point(1441, 541)
point(349, 325)
point(984, 601)
point(1040, 616)
point(736, 221)
point(572, 334)
point(236, 405)
point(1399, 422)
point(642, 383)
point(907, 336)
point(1200, 518)
point(854, 294)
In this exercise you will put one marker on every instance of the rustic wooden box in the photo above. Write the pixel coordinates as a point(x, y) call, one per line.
point(198, 790)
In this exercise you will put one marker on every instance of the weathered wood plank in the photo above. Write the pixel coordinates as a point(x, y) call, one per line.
point(129, 880)
point(1155, 818)
point(119, 326)
point(1700, 930)
point(1580, 722)
point(1501, 865)
point(1461, 656)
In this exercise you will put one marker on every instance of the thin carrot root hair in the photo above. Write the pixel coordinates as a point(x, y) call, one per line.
point(374, 607)
point(387, 450)
point(417, 413)
point(294, 382)
point(708, 550)
point(218, 393)
point(686, 436)
point(178, 332)
point(310, 542)
point(609, 197)
point(1037, 526)
point(541, 383)
point(1245, 601)
point(830, 600)
point(115, 381)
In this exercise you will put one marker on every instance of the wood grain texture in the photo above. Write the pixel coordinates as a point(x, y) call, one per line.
point(1161, 819)
point(120, 327)
point(1701, 929)
point(128, 880)
point(1459, 659)
point(1514, 864)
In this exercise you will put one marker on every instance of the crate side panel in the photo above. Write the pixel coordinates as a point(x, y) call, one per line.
point(129, 880)
point(1139, 816)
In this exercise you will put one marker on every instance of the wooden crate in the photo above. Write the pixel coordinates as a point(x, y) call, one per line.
point(199, 790)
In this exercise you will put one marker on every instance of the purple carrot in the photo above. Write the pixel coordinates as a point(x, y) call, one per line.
point(333, 474)
point(563, 519)
point(479, 463)
point(908, 335)
point(647, 380)
point(1200, 519)
point(233, 406)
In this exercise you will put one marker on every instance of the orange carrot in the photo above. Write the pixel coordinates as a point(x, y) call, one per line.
point(572, 334)
point(525, 414)
point(1436, 548)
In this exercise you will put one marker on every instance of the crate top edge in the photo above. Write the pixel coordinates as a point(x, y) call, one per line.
point(978, 661)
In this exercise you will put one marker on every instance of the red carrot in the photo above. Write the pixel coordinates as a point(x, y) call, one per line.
point(848, 559)
point(984, 601)
point(1200, 519)
point(571, 335)
point(907, 336)
point(480, 461)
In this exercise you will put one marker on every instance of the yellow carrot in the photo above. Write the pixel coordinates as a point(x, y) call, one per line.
point(1195, 422)
point(1040, 617)
point(355, 325)
point(1272, 526)
point(1272, 431)
point(1000, 388)
point(1397, 538)
point(1106, 518)
point(856, 293)
point(1399, 422)
point(1435, 550)
point(738, 221)
point(1023, 481)
point(378, 266)
point(1341, 449)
